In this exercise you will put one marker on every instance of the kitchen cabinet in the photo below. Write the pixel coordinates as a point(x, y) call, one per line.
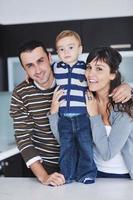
point(0, 39)
point(93, 32)
point(106, 32)
point(3, 75)
point(46, 32)
point(3, 62)
point(14, 166)
point(12, 36)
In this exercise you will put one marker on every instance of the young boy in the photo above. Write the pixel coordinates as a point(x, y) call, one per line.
point(76, 154)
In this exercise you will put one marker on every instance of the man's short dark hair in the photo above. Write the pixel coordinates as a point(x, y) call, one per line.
point(29, 46)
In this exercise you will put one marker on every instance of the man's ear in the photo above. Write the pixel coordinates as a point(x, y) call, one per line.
point(80, 49)
point(50, 57)
point(27, 78)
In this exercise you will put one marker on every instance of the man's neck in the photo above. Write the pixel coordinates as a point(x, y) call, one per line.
point(43, 88)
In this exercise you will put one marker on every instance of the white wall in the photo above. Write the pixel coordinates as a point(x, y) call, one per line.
point(28, 11)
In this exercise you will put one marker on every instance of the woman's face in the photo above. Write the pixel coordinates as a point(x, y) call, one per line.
point(98, 75)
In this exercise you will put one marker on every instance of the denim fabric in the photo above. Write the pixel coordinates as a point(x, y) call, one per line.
point(76, 152)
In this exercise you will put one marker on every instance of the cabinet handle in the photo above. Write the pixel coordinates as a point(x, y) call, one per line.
point(6, 163)
point(120, 46)
point(50, 50)
point(2, 163)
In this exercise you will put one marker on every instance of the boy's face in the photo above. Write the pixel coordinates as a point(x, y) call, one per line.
point(69, 49)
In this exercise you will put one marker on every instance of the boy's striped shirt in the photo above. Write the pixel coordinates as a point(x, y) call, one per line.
point(73, 81)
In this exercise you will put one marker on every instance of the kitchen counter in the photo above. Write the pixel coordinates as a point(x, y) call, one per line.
point(30, 188)
point(7, 140)
point(7, 149)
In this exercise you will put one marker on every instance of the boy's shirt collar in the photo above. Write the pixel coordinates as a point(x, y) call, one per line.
point(64, 65)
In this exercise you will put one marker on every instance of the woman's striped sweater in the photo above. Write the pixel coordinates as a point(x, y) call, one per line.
point(29, 108)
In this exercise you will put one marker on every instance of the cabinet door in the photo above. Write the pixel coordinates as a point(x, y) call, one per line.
point(3, 69)
point(46, 32)
point(15, 167)
point(0, 40)
point(12, 167)
point(3, 75)
point(107, 32)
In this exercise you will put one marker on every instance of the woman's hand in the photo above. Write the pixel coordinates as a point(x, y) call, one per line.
point(58, 93)
point(91, 103)
point(121, 94)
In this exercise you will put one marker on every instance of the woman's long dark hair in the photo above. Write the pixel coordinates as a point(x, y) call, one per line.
point(113, 58)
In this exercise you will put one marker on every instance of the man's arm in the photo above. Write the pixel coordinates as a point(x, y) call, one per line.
point(54, 179)
point(23, 125)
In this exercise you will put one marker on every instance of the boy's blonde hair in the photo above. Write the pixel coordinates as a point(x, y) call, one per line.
point(67, 33)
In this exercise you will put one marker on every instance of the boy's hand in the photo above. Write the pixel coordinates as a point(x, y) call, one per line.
point(58, 93)
point(91, 103)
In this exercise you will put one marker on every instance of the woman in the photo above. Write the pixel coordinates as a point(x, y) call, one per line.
point(106, 116)
point(111, 123)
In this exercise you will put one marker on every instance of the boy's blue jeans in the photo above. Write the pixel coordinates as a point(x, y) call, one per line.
point(76, 153)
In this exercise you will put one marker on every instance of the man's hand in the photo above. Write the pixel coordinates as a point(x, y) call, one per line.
point(121, 94)
point(55, 179)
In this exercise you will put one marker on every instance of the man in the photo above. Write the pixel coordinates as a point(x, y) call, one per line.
point(29, 107)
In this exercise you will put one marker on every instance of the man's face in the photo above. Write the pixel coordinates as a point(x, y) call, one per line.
point(37, 66)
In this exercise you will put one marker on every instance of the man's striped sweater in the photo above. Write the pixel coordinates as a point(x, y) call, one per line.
point(29, 108)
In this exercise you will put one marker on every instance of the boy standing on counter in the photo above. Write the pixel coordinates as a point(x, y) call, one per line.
point(76, 152)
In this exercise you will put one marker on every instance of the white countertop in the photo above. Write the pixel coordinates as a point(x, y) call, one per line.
point(7, 149)
point(31, 189)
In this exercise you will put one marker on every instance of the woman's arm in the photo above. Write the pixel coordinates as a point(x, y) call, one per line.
point(53, 120)
point(122, 126)
point(53, 114)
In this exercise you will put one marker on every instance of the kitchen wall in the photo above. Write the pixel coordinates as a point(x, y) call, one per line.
point(16, 11)
point(6, 126)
